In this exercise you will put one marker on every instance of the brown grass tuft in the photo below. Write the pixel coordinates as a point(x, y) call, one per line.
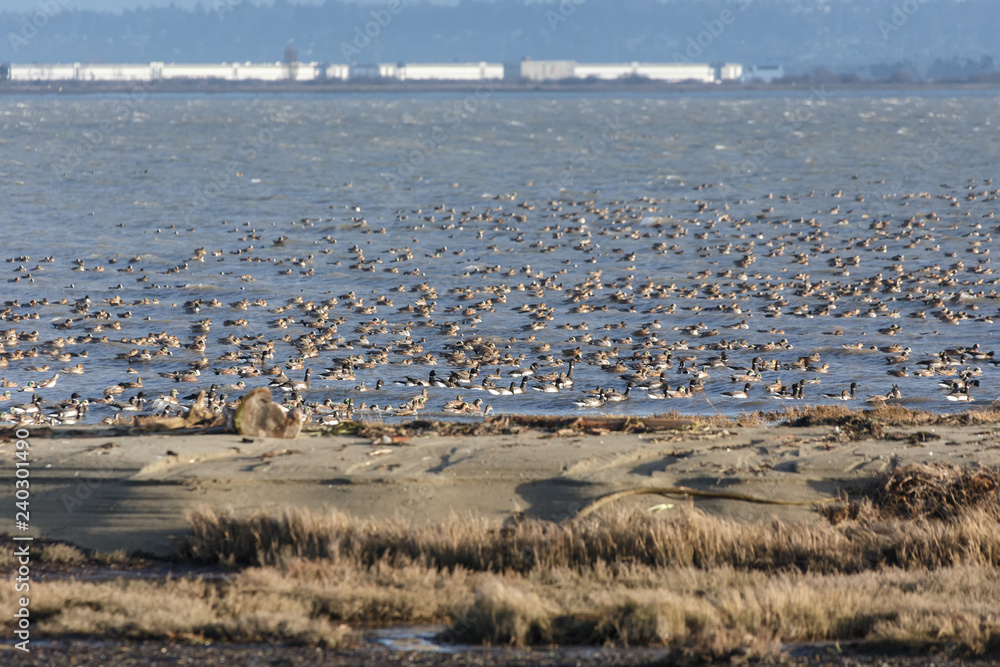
point(58, 553)
point(862, 539)
point(856, 423)
point(508, 614)
point(52, 555)
point(936, 491)
point(192, 609)
point(720, 613)
point(925, 490)
point(709, 588)
point(871, 422)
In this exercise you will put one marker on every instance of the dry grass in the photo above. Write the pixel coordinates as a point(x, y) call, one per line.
point(191, 609)
point(857, 423)
point(915, 567)
point(52, 554)
point(704, 613)
point(861, 540)
point(723, 612)
point(915, 491)
point(872, 421)
point(62, 554)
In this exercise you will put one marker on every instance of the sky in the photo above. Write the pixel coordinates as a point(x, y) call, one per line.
point(934, 38)
point(119, 5)
point(112, 5)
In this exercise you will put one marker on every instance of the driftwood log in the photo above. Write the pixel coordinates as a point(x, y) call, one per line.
point(199, 416)
point(259, 416)
point(629, 424)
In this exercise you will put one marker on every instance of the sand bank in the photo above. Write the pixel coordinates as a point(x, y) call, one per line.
point(131, 492)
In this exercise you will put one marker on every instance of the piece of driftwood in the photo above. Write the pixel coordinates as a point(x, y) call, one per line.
point(259, 416)
point(198, 416)
point(611, 424)
point(694, 493)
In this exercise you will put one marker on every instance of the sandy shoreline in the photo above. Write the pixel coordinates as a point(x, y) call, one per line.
point(131, 492)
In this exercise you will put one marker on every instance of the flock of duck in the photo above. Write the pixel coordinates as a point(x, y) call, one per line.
point(520, 307)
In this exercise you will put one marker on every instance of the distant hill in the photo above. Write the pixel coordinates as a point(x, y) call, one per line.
point(957, 37)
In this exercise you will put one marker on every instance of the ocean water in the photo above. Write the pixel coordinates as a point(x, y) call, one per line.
point(824, 220)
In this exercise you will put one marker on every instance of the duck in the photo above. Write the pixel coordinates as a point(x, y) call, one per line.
point(135, 404)
point(961, 395)
point(298, 385)
point(775, 387)
point(877, 399)
point(525, 372)
point(680, 392)
point(69, 412)
point(615, 396)
point(548, 388)
point(659, 382)
point(502, 391)
point(847, 394)
point(30, 408)
point(657, 394)
point(280, 381)
point(739, 393)
point(589, 402)
point(188, 376)
point(566, 381)
point(749, 376)
point(417, 382)
point(477, 408)
point(454, 405)
point(164, 402)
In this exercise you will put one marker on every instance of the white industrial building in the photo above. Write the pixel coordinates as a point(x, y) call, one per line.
point(225, 71)
point(385, 71)
point(541, 70)
point(556, 70)
point(104, 72)
point(765, 73)
point(449, 71)
point(44, 72)
point(602, 71)
point(188, 71)
point(526, 70)
point(338, 72)
point(238, 71)
point(432, 71)
point(675, 72)
point(730, 72)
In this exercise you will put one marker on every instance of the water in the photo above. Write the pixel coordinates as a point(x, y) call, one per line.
point(457, 191)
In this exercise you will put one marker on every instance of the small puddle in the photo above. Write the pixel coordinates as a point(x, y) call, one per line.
point(415, 638)
point(422, 638)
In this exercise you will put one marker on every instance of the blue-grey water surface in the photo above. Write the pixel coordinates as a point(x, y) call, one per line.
point(662, 195)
